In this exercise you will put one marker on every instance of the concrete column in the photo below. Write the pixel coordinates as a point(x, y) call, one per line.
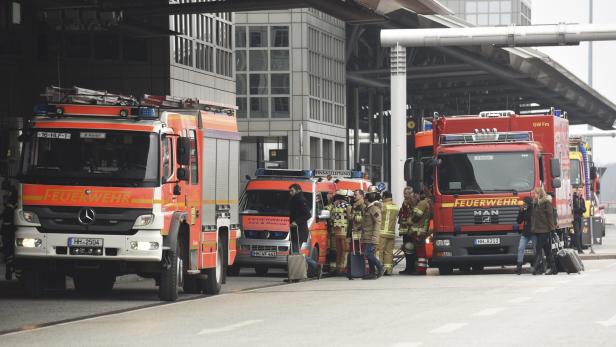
point(356, 130)
point(381, 135)
point(398, 121)
point(370, 130)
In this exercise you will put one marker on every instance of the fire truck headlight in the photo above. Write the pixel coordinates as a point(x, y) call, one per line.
point(443, 243)
point(28, 243)
point(30, 217)
point(144, 245)
point(144, 220)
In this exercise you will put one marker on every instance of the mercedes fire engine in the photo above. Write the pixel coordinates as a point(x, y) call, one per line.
point(111, 185)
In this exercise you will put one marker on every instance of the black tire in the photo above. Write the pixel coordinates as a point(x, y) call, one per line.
point(314, 256)
point(32, 280)
point(444, 270)
point(465, 268)
point(192, 285)
point(213, 283)
point(233, 270)
point(171, 275)
point(261, 270)
point(477, 268)
point(93, 282)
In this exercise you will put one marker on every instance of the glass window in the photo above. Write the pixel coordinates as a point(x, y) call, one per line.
point(241, 104)
point(482, 7)
point(194, 157)
point(471, 7)
point(258, 84)
point(494, 6)
point(280, 36)
point(258, 60)
point(240, 60)
point(259, 108)
point(280, 60)
point(280, 107)
point(505, 19)
point(280, 83)
point(240, 36)
point(167, 158)
point(258, 36)
point(240, 84)
point(505, 6)
point(471, 18)
point(494, 19)
point(482, 19)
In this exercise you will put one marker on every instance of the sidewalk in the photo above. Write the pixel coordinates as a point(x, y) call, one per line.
point(608, 249)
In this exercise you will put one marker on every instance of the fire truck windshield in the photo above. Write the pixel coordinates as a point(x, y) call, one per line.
point(575, 173)
point(476, 173)
point(91, 157)
point(273, 202)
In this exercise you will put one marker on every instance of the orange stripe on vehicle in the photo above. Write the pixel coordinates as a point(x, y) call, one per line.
point(92, 125)
point(87, 196)
point(218, 202)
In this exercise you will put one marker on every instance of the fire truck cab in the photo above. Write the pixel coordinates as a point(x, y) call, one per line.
point(483, 166)
point(264, 218)
point(111, 185)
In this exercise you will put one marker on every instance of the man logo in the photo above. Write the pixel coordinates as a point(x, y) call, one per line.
point(86, 216)
point(484, 213)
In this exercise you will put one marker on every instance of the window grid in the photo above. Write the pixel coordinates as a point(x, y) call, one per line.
point(263, 62)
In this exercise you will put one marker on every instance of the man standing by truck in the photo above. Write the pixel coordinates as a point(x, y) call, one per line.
point(385, 248)
point(579, 208)
point(404, 221)
point(298, 217)
point(340, 211)
point(371, 226)
point(420, 220)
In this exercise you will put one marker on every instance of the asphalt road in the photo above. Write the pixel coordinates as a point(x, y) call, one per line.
point(490, 308)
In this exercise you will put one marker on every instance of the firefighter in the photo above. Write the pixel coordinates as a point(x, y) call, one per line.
point(404, 221)
point(385, 248)
point(357, 215)
point(418, 230)
point(340, 210)
point(371, 226)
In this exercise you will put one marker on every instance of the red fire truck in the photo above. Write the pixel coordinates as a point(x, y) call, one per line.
point(113, 186)
point(483, 167)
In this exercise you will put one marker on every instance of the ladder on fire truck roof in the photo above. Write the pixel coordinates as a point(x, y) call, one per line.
point(83, 96)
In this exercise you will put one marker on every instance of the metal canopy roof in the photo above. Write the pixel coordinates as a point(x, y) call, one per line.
point(452, 80)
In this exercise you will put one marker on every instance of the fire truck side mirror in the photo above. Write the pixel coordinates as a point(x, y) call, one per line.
point(177, 190)
point(418, 175)
point(556, 182)
point(408, 169)
point(183, 151)
point(555, 167)
point(182, 174)
point(593, 172)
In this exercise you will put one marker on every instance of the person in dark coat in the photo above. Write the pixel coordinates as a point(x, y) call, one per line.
point(579, 208)
point(525, 216)
point(299, 213)
point(542, 226)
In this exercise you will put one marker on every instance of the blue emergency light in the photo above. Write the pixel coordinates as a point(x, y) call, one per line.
point(261, 172)
point(557, 113)
point(147, 113)
point(357, 174)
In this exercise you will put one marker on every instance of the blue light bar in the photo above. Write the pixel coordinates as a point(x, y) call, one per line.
point(427, 126)
point(41, 109)
point(263, 172)
point(147, 112)
point(357, 174)
point(557, 113)
point(485, 137)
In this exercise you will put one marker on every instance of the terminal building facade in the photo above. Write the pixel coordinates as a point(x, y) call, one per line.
point(491, 12)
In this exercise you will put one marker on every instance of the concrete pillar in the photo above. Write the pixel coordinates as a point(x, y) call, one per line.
point(398, 121)
point(381, 135)
point(370, 130)
point(356, 130)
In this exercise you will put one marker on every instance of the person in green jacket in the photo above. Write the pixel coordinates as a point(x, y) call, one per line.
point(542, 226)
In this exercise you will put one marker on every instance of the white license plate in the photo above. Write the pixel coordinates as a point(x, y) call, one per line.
point(264, 253)
point(84, 242)
point(489, 241)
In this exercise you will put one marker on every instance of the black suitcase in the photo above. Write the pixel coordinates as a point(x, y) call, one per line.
point(567, 261)
point(356, 263)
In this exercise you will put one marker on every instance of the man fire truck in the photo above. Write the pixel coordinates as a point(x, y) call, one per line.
point(112, 186)
point(483, 167)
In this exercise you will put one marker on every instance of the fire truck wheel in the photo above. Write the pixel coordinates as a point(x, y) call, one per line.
point(32, 280)
point(214, 276)
point(233, 270)
point(465, 268)
point(445, 270)
point(171, 275)
point(261, 270)
point(477, 268)
point(315, 257)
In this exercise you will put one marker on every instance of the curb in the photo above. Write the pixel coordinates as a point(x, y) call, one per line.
point(598, 256)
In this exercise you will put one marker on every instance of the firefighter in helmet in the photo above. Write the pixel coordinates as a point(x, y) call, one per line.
point(340, 210)
point(385, 248)
point(404, 221)
point(418, 230)
point(357, 214)
point(371, 227)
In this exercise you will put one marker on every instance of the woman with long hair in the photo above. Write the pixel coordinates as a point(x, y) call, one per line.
point(542, 226)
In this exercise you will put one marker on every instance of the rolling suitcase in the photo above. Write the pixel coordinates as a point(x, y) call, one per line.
point(356, 263)
point(296, 263)
point(567, 261)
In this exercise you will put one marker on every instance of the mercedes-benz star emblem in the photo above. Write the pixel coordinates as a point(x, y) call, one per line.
point(86, 216)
